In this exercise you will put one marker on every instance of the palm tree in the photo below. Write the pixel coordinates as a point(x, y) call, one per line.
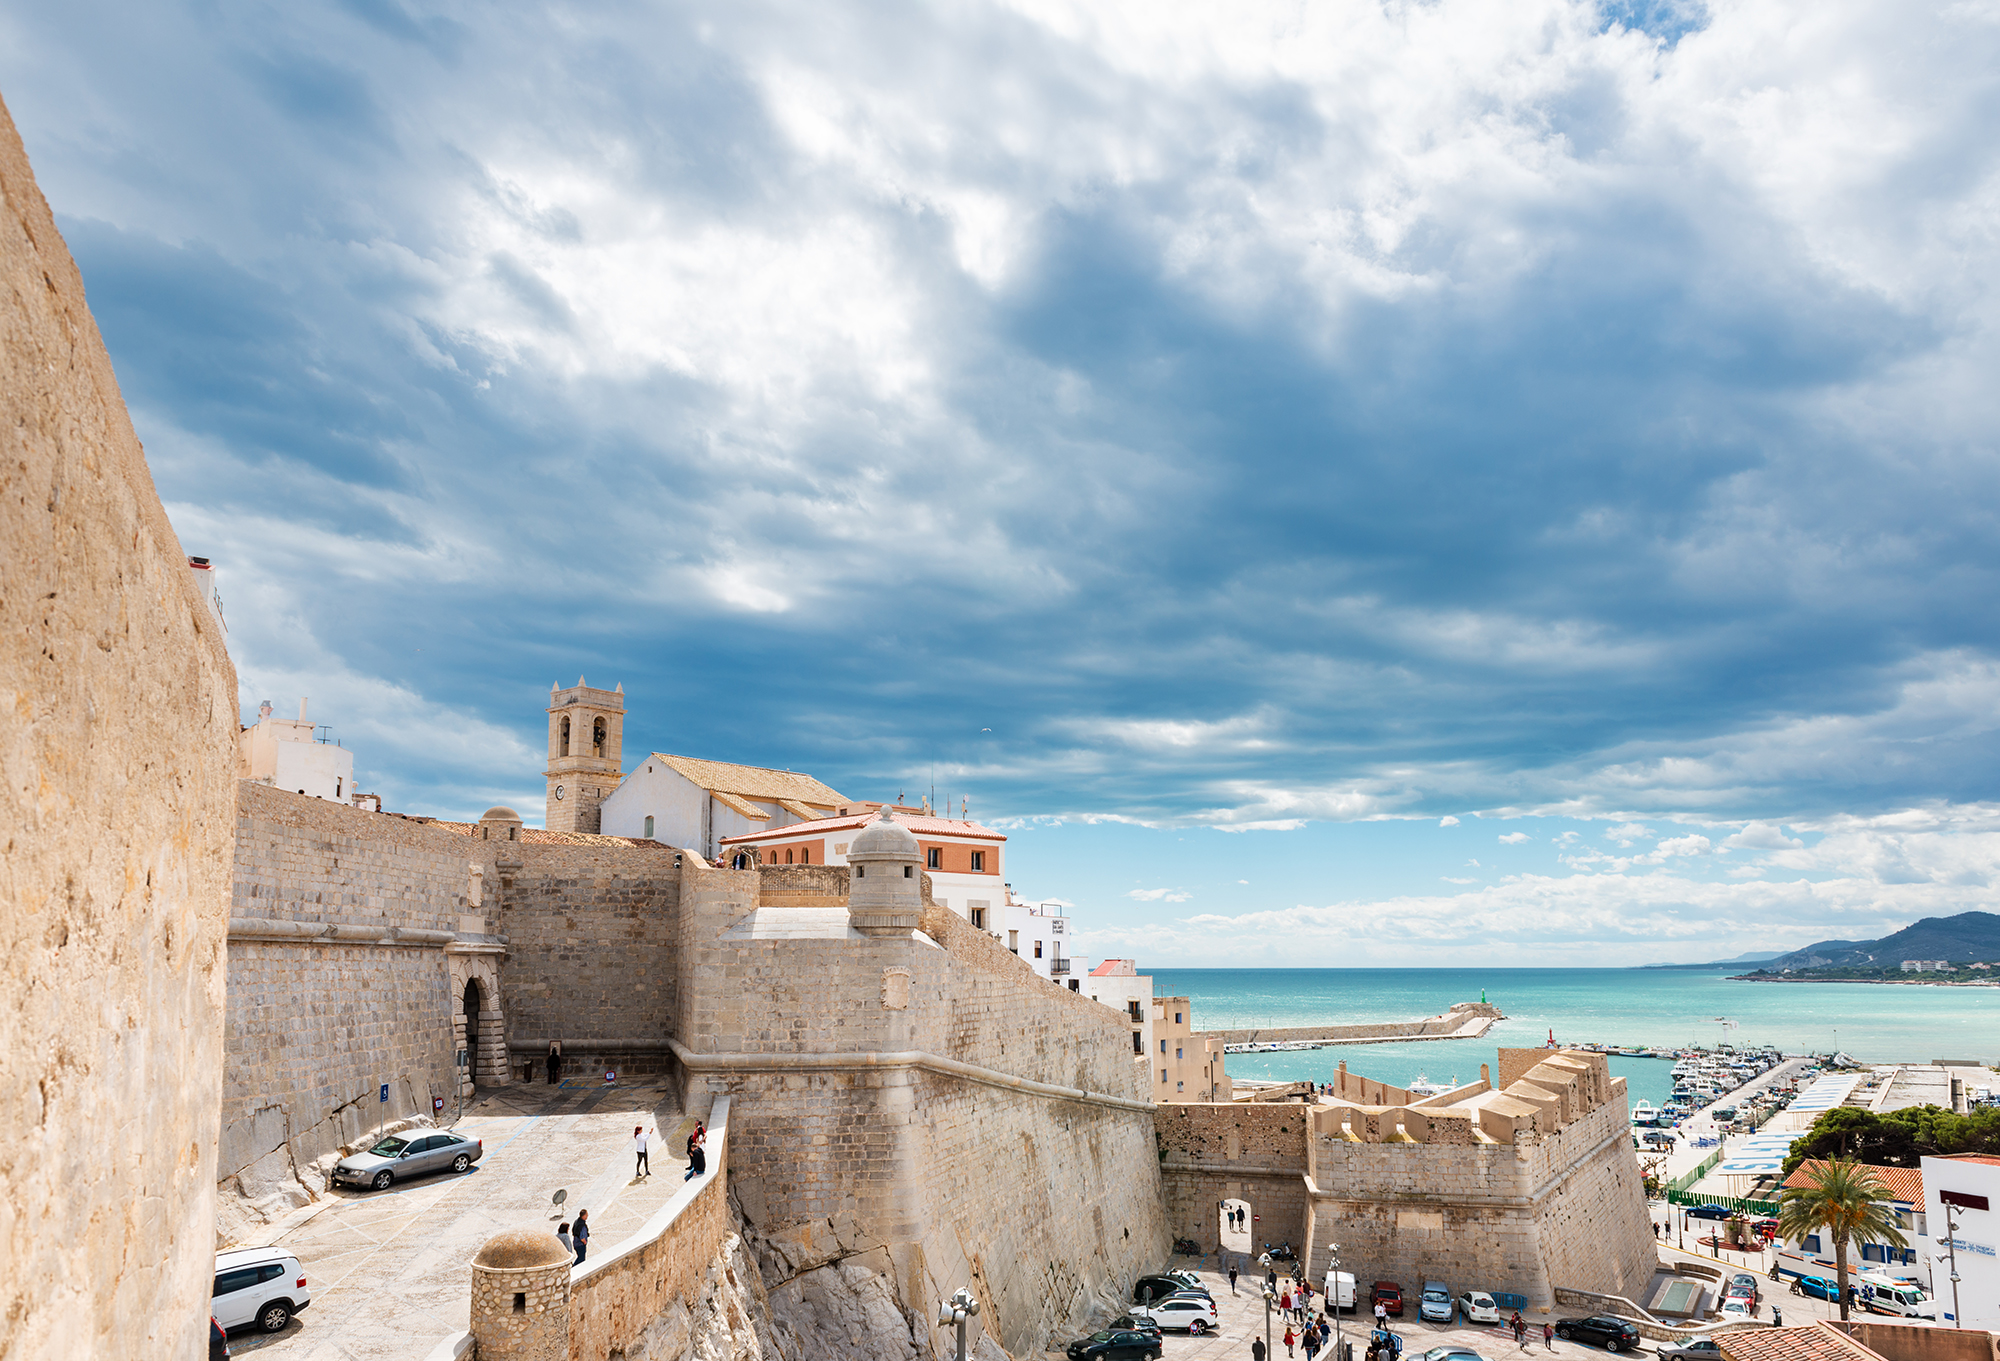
point(1845, 1199)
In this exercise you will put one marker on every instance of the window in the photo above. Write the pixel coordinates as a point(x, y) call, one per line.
point(1132, 1010)
point(597, 738)
point(1810, 1243)
point(1872, 1252)
point(1138, 1047)
point(1163, 1077)
point(979, 917)
point(1163, 1049)
point(1014, 941)
point(1177, 1052)
point(805, 855)
point(978, 862)
point(229, 1282)
point(1177, 1018)
point(934, 859)
point(562, 748)
point(1038, 949)
point(788, 855)
point(336, 786)
point(1073, 986)
point(907, 872)
point(860, 871)
point(649, 825)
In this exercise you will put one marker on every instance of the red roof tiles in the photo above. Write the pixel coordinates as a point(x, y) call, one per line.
point(1905, 1184)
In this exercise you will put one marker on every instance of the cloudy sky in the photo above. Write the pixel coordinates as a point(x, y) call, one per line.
point(1228, 443)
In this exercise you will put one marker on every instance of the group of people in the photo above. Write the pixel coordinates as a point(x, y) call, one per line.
point(576, 1236)
point(697, 1155)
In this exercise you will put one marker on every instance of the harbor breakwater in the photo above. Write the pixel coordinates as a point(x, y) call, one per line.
point(1464, 1021)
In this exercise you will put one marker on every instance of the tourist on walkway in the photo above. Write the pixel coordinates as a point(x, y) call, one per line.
point(562, 1236)
point(1311, 1343)
point(1520, 1327)
point(1256, 1349)
point(1381, 1315)
point(1289, 1339)
point(1549, 1336)
point(697, 1160)
point(555, 1062)
point(641, 1168)
point(580, 1231)
point(1232, 1278)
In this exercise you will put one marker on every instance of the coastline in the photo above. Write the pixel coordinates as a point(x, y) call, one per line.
point(1872, 982)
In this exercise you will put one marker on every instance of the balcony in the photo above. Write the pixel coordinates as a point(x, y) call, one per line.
point(1058, 968)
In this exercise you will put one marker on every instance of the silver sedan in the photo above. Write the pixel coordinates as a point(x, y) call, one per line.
point(412, 1154)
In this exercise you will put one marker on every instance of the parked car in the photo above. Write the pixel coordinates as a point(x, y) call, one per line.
point(1162, 1284)
point(1710, 1212)
point(261, 1286)
point(1434, 1305)
point(1186, 1312)
point(1389, 1295)
point(412, 1154)
point(1125, 1323)
point(218, 1341)
point(1816, 1288)
point(1695, 1349)
point(1743, 1283)
point(1476, 1306)
point(1735, 1307)
point(1613, 1334)
point(1452, 1354)
point(1115, 1344)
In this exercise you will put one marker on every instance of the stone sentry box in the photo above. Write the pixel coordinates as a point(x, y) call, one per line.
point(520, 1297)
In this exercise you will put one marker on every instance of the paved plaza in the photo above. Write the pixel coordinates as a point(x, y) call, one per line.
point(389, 1270)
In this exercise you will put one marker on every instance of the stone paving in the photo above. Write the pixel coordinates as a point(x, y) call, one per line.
point(389, 1270)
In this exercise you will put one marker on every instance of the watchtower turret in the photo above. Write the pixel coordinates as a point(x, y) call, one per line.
point(885, 895)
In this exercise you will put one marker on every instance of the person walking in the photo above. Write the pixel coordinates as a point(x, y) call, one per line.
point(1549, 1335)
point(1381, 1315)
point(1311, 1343)
point(1232, 1278)
point(1256, 1349)
point(1777, 1317)
point(1289, 1339)
point(562, 1236)
point(580, 1232)
point(1520, 1327)
point(640, 1168)
point(555, 1062)
point(697, 1160)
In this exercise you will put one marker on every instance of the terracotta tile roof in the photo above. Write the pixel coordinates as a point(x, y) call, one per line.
point(539, 836)
point(1906, 1184)
point(917, 823)
point(1813, 1342)
point(751, 782)
point(1971, 1158)
point(1116, 968)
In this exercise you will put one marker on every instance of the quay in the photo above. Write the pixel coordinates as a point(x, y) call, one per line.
point(1465, 1021)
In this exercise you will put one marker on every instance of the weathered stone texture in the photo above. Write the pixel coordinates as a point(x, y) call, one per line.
point(315, 1031)
point(116, 767)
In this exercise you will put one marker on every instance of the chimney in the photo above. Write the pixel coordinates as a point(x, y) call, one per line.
point(302, 709)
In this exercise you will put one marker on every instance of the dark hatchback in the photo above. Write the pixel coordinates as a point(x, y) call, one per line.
point(1116, 1344)
point(1158, 1288)
point(1612, 1334)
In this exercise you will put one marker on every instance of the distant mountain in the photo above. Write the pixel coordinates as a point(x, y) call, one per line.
point(1754, 957)
point(1961, 939)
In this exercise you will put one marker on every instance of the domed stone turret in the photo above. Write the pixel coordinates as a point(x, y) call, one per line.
point(520, 1296)
point(885, 893)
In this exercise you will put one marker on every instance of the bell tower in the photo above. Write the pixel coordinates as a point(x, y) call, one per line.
point(586, 736)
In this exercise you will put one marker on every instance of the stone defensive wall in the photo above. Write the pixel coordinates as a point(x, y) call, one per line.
point(1465, 1021)
point(917, 1104)
point(368, 950)
point(1523, 1189)
point(116, 764)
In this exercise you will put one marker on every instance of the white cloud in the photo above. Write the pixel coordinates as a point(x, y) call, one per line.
point(1158, 895)
point(1515, 838)
point(1447, 821)
point(1681, 846)
point(1625, 833)
point(1761, 836)
point(1451, 880)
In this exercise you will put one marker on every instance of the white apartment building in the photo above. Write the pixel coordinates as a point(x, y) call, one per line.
point(1962, 1197)
point(283, 753)
point(1119, 985)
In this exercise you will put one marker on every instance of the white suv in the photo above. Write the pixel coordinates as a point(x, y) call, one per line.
point(1195, 1313)
point(264, 1286)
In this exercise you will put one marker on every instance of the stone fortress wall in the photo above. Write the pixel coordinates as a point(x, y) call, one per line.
point(1523, 1189)
point(116, 765)
point(908, 1105)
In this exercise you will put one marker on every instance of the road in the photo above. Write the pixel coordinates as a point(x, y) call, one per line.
point(389, 1270)
point(1686, 1157)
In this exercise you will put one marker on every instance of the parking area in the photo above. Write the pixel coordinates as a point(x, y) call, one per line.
point(389, 1271)
point(1242, 1318)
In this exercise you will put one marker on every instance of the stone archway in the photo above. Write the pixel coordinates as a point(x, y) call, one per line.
point(479, 1026)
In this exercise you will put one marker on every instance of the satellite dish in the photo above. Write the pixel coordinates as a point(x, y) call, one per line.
point(557, 1201)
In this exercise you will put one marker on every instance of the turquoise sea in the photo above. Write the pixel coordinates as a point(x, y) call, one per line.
point(1651, 1007)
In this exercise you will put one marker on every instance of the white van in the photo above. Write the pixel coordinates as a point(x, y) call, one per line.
point(1339, 1290)
point(264, 1286)
point(1896, 1297)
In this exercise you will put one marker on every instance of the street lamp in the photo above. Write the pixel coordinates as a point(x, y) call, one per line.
point(1333, 1299)
point(960, 1307)
point(1951, 1249)
point(1269, 1300)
